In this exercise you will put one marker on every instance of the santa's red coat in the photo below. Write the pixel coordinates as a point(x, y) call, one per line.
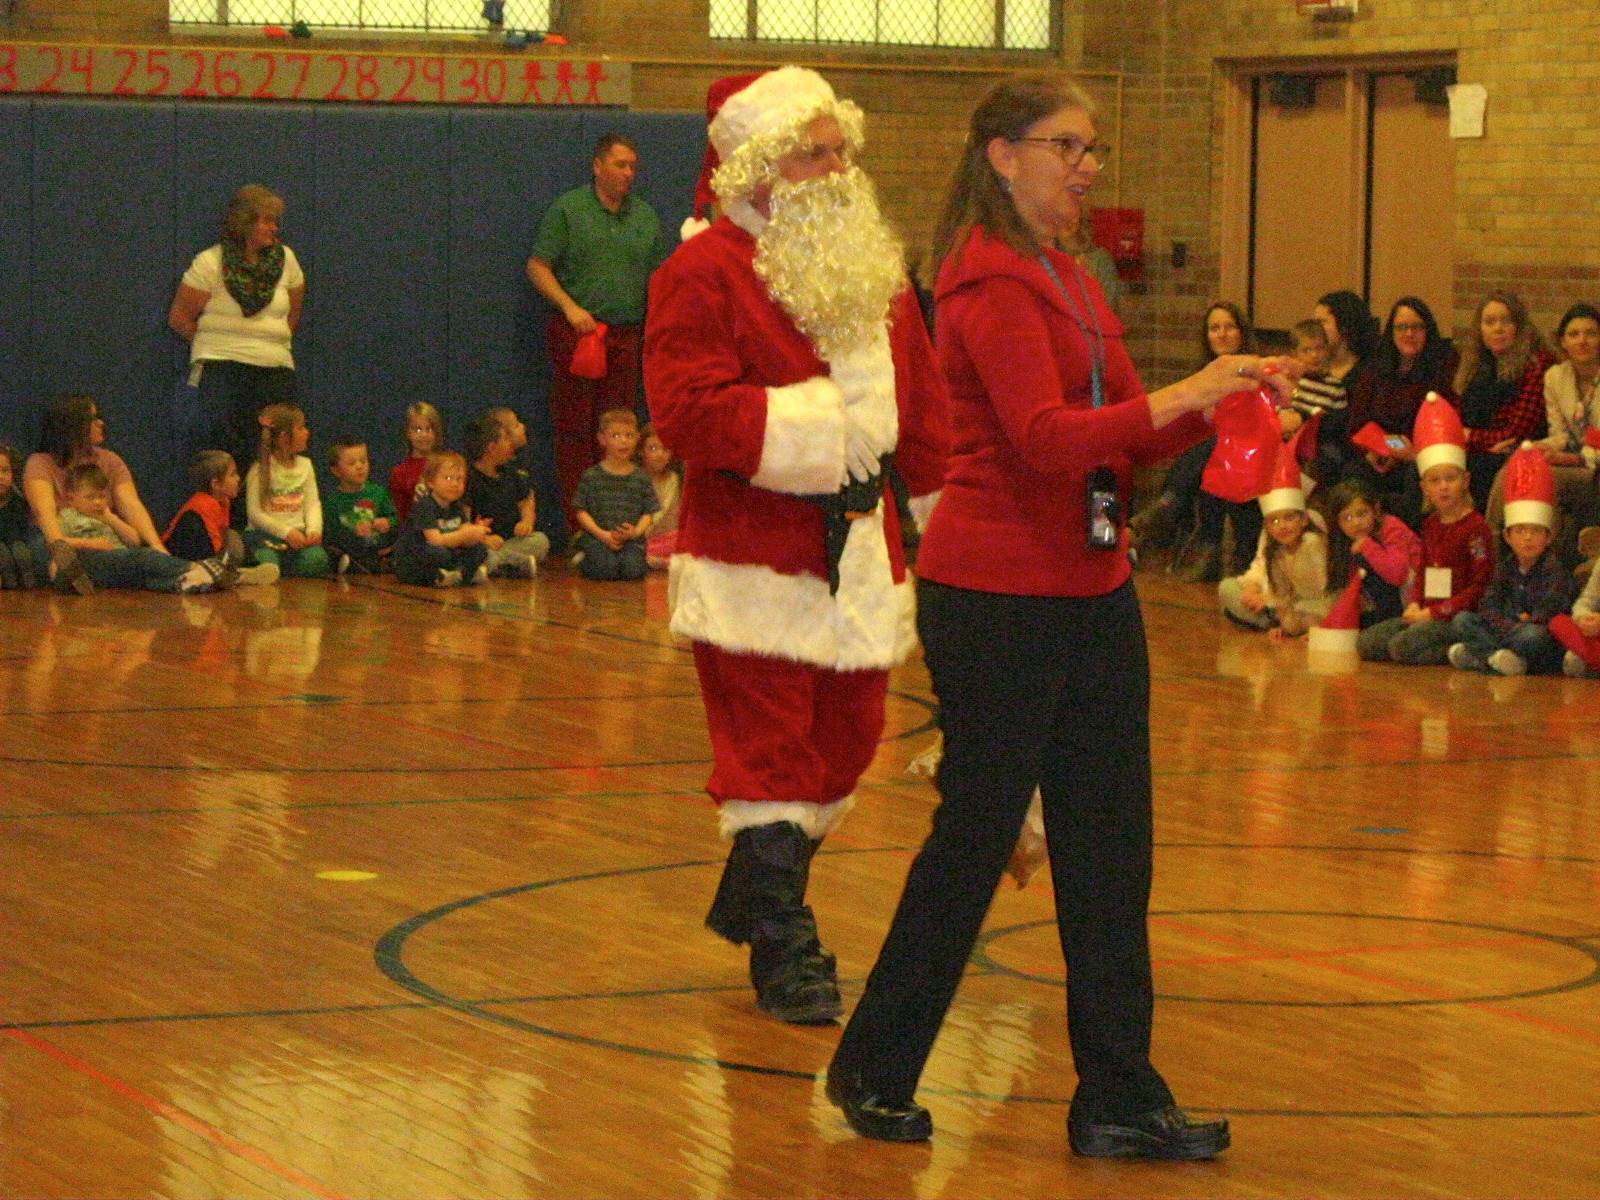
point(741, 395)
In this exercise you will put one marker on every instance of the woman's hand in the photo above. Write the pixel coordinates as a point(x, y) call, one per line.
point(1230, 373)
point(1562, 458)
point(1503, 446)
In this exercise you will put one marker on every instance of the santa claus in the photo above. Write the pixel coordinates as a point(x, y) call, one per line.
point(787, 364)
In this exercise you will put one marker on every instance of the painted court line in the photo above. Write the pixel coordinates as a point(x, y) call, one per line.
point(176, 1115)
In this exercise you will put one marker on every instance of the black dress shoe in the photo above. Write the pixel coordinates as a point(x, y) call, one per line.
point(1161, 1133)
point(874, 1117)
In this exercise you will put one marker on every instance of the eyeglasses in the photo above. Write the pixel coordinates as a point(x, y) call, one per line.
point(1072, 149)
point(1409, 327)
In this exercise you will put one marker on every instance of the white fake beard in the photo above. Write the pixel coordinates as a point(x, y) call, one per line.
point(829, 258)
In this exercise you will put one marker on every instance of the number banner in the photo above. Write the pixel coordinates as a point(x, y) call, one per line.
point(212, 73)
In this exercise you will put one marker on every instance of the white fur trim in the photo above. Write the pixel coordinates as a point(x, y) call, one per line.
point(1529, 512)
point(922, 508)
point(1441, 454)
point(818, 820)
point(866, 381)
point(692, 226)
point(1279, 499)
point(802, 449)
point(748, 608)
point(1332, 641)
point(770, 104)
point(745, 215)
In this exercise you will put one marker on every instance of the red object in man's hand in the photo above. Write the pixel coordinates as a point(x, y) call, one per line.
point(589, 355)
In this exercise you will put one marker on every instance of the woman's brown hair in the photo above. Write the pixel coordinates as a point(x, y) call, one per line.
point(976, 195)
point(1510, 365)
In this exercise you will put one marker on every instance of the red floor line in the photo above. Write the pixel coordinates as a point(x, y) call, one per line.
point(176, 1115)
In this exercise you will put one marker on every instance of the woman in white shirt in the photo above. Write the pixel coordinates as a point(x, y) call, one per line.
point(238, 306)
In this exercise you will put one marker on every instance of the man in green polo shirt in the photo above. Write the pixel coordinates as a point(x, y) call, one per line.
point(592, 260)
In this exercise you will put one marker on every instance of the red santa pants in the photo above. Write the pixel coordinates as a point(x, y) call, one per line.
point(576, 403)
point(787, 731)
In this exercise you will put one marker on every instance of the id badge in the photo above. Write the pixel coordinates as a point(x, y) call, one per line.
point(1436, 583)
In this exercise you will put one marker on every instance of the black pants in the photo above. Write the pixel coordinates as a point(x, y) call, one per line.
point(232, 395)
point(366, 554)
point(1050, 692)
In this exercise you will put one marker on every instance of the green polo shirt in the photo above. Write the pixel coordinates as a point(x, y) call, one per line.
point(602, 258)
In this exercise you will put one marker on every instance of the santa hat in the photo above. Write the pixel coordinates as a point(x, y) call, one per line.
point(1530, 488)
point(760, 122)
point(1288, 488)
point(1437, 436)
point(716, 96)
point(1336, 633)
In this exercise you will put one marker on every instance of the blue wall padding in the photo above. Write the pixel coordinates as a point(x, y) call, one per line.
point(16, 270)
point(413, 225)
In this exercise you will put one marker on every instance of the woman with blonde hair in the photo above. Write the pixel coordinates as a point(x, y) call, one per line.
point(238, 306)
point(1033, 636)
point(1501, 384)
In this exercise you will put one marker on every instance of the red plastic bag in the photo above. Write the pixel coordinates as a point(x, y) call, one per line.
point(1248, 437)
point(589, 355)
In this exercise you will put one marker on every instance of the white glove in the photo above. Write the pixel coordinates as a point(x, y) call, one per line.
point(860, 454)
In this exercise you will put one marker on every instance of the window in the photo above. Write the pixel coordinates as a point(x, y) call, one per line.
point(968, 24)
point(443, 15)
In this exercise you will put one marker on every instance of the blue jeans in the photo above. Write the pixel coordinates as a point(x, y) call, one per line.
point(600, 561)
point(137, 567)
point(1534, 644)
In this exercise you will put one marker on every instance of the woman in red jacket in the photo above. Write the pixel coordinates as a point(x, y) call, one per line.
point(1033, 636)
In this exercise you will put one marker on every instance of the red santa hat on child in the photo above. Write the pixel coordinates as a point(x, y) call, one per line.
point(1288, 487)
point(1336, 633)
point(1438, 436)
point(759, 123)
point(1530, 488)
point(716, 96)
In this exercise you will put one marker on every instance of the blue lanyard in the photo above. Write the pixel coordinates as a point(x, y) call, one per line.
point(1091, 326)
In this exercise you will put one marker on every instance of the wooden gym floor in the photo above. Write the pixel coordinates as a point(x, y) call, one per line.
point(353, 890)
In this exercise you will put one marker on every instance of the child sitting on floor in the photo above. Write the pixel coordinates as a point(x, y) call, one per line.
point(1509, 633)
point(665, 470)
point(615, 503)
point(281, 497)
point(89, 526)
point(16, 558)
point(424, 436)
point(201, 528)
point(1457, 549)
point(1361, 536)
point(359, 521)
point(500, 494)
point(1285, 588)
point(439, 546)
point(1579, 633)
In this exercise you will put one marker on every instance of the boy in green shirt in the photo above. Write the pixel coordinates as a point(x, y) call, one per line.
point(359, 523)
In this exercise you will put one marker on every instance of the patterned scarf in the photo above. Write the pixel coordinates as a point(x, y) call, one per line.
point(251, 284)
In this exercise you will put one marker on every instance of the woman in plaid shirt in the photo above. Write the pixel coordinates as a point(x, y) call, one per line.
point(1501, 385)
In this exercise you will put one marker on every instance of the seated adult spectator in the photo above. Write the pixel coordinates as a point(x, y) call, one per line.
point(238, 306)
point(1413, 359)
point(1500, 381)
point(1352, 337)
point(1170, 517)
point(73, 434)
point(1571, 412)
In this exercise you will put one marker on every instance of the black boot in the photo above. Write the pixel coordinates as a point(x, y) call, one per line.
point(761, 900)
point(730, 913)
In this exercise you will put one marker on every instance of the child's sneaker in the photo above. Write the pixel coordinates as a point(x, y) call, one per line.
point(1507, 662)
point(448, 577)
point(481, 575)
point(1573, 666)
point(69, 571)
point(1463, 659)
point(259, 575)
